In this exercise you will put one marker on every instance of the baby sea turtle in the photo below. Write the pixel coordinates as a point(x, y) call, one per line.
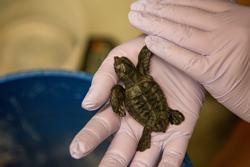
point(143, 98)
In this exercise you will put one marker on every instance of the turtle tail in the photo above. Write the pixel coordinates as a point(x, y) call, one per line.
point(176, 117)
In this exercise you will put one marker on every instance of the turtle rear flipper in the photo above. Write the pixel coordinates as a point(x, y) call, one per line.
point(175, 117)
point(117, 98)
point(145, 140)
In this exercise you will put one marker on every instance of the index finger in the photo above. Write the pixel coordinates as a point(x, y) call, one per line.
point(195, 17)
point(102, 125)
point(182, 35)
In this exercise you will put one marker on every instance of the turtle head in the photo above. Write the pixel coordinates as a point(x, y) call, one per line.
point(123, 67)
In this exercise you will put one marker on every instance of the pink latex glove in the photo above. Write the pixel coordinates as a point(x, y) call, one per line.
point(182, 93)
point(207, 39)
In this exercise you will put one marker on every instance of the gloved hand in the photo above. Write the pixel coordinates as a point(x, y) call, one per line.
point(182, 93)
point(209, 40)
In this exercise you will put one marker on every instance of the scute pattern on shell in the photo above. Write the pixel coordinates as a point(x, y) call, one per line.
point(146, 103)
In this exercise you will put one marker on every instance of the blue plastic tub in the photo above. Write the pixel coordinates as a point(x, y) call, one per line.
point(40, 113)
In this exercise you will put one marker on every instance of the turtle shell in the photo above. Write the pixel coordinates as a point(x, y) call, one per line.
point(143, 98)
point(146, 103)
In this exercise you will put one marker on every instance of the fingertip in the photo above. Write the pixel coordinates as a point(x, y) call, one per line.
point(78, 150)
point(101, 126)
point(150, 42)
point(94, 98)
point(140, 20)
point(171, 160)
point(158, 45)
point(75, 154)
point(88, 104)
point(174, 152)
point(147, 158)
point(137, 6)
point(132, 16)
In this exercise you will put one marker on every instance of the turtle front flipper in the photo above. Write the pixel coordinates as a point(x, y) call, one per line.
point(143, 60)
point(145, 140)
point(117, 98)
point(176, 117)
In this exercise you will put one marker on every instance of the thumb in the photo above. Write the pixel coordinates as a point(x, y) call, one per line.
point(103, 80)
point(185, 60)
